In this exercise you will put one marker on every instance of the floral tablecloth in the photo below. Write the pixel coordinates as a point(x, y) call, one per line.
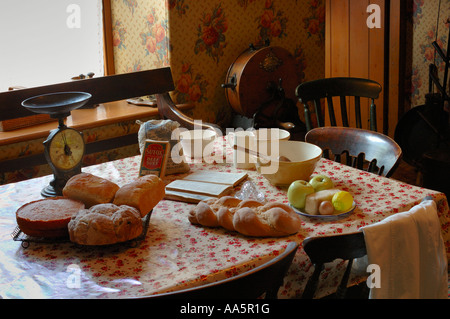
point(176, 254)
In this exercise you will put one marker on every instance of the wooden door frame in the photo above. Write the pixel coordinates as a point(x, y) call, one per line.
point(108, 46)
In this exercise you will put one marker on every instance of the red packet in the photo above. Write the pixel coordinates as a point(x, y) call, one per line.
point(154, 158)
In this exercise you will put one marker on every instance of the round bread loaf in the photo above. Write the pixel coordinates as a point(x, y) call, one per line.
point(105, 224)
point(90, 189)
point(47, 217)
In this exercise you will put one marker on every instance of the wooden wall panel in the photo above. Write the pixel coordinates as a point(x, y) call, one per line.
point(359, 54)
point(339, 51)
point(353, 49)
point(377, 62)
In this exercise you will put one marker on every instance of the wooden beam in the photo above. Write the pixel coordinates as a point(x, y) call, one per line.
point(103, 89)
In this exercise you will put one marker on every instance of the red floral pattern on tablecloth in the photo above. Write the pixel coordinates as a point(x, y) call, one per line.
point(176, 254)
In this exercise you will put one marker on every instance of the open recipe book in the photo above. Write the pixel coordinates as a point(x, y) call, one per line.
point(202, 185)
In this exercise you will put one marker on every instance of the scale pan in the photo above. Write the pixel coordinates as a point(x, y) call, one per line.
point(56, 103)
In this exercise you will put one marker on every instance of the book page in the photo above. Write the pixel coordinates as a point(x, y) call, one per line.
point(185, 197)
point(231, 179)
point(204, 188)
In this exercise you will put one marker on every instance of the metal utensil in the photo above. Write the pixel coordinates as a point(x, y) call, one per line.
point(265, 157)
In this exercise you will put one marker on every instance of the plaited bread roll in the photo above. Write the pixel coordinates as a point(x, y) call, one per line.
point(105, 224)
point(248, 217)
point(143, 193)
point(226, 207)
point(225, 215)
point(90, 189)
point(214, 212)
point(270, 220)
point(204, 215)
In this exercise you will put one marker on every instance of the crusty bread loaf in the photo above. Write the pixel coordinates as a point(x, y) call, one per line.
point(47, 217)
point(248, 217)
point(90, 189)
point(143, 193)
point(105, 224)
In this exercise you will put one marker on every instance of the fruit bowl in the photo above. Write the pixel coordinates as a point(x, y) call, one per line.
point(303, 158)
point(326, 217)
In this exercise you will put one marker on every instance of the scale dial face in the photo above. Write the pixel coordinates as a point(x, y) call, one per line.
point(66, 149)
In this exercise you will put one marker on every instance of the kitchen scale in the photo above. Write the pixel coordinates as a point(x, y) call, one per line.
point(64, 148)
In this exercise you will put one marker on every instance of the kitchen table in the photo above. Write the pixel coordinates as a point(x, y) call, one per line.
point(175, 254)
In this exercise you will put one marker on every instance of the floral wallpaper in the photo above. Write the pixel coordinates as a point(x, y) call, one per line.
point(200, 39)
point(430, 24)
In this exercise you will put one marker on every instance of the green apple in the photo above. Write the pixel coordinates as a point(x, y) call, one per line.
point(321, 182)
point(297, 192)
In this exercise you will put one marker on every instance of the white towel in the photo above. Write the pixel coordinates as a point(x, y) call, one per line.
point(409, 250)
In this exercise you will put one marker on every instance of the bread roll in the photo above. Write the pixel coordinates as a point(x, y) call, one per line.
point(203, 214)
point(47, 217)
point(215, 212)
point(225, 215)
point(143, 194)
point(226, 208)
point(248, 217)
point(90, 189)
point(270, 220)
point(105, 224)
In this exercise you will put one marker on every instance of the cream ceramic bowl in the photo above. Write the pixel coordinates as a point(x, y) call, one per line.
point(267, 134)
point(303, 159)
point(194, 142)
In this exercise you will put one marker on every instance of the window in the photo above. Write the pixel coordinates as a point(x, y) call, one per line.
point(49, 41)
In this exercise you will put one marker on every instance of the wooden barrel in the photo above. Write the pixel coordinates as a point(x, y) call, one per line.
point(256, 74)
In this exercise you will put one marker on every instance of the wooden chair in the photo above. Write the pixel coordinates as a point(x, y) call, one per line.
point(362, 149)
point(266, 278)
point(316, 91)
point(325, 249)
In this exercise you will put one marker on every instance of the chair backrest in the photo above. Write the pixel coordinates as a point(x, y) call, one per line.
point(363, 149)
point(343, 87)
point(266, 278)
point(325, 249)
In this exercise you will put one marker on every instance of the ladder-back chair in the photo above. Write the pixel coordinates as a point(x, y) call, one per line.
point(325, 249)
point(316, 91)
